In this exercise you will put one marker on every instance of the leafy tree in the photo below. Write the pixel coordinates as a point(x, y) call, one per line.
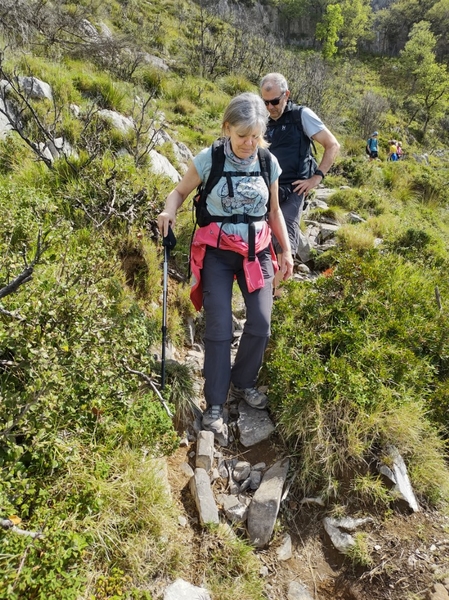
point(346, 22)
point(356, 23)
point(294, 8)
point(426, 81)
point(394, 24)
point(328, 30)
point(438, 16)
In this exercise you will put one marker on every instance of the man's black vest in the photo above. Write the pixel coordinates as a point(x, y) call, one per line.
point(290, 145)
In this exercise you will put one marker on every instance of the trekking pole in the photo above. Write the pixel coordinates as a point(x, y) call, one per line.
point(168, 242)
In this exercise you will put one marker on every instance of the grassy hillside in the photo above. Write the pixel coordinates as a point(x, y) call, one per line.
point(358, 359)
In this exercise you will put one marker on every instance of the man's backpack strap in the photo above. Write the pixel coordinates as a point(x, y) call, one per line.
point(297, 119)
point(296, 113)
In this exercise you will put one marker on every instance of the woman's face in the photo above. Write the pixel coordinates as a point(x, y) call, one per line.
point(243, 144)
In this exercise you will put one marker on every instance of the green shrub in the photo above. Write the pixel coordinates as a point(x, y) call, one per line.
point(358, 238)
point(14, 154)
point(184, 107)
point(420, 246)
point(231, 560)
point(366, 201)
point(235, 84)
point(353, 361)
point(353, 146)
point(355, 172)
point(430, 186)
point(151, 79)
point(101, 89)
point(52, 568)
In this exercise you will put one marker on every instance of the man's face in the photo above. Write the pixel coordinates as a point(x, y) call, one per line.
point(275, 94)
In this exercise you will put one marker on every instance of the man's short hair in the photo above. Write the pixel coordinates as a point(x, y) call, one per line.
point(274, 79)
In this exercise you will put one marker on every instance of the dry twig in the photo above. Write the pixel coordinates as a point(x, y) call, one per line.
point(9, 526)
point(153, 387)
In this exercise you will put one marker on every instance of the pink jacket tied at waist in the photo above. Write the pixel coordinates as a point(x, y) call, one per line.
point(208, 236)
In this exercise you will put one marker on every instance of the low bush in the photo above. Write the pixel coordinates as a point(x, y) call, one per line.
point(68, 343)
point(366, 201)
point(352, 366)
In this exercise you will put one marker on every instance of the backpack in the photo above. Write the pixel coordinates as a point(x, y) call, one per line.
point(368, 151)
point(308, 163)
point(202, 216)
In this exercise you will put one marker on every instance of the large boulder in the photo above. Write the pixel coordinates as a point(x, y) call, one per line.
point(35, 88)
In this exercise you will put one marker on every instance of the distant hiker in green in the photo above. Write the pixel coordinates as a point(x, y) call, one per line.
point(233, 241)
point(372, 146)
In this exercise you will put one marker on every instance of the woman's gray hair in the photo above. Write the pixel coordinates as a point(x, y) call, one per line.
point(274, 79)
point(248, 113)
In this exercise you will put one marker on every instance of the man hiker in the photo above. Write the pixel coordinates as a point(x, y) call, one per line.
point(290, 131)
point(372, 146)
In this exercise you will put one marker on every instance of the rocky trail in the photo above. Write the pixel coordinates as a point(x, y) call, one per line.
point(302, 547)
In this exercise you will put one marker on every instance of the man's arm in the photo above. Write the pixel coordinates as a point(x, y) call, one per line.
point(331, 148)
point(277, 225)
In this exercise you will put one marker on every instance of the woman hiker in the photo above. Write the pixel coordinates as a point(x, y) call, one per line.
point(244, 212)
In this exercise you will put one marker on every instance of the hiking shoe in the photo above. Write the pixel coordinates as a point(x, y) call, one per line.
point(252, 396)
point(213, 419)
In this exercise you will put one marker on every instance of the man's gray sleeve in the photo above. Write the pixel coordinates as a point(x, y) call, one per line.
point(311, 122)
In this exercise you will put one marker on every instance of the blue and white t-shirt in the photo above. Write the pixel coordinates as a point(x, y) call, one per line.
point(250, 193)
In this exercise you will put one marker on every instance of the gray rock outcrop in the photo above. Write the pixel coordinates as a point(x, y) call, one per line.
point(204, 498)
point(254, 425)
point(264, 508)
point(118, 121)
point(162, 166)
point(335, 529)
point(397, 474)
point(35, 88)
point(298, 591)
point(182, 590)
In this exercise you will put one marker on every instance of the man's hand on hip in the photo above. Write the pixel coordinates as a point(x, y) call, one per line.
point(303, 186)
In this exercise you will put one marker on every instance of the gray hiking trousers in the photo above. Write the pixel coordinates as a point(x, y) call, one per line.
point(217, 277)
point(292, 206)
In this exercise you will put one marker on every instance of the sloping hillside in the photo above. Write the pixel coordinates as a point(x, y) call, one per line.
point(101, 106)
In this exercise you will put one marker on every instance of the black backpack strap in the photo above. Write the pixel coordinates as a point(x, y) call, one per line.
point(296, 113)
point(216, 170)
point(265, 168)
point(204, 189)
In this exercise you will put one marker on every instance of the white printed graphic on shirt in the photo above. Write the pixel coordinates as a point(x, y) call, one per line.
point(250, 194)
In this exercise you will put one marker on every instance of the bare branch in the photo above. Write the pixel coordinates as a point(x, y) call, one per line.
point(9, 525)
point(438, 298)
point(14, 115)
point(27, 273)
point(7, 313)
point(153, 387)
point(20, 416)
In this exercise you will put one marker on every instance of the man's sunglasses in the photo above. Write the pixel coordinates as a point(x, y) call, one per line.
point(275, 101)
